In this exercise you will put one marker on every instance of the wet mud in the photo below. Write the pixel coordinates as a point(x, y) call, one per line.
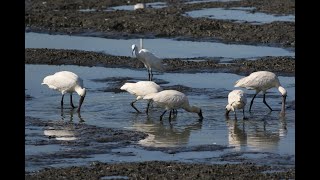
point(279, 65)
point(164, 170)
point(64, 17)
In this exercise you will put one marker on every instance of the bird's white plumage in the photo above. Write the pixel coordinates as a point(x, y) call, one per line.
point(149, 60)
point(262, 81)
point(236, 100)
point(141, 88)
point(169, 99)
point(259, 81)
point(173, 100)
point(66, 82)
point(139, 6)
point(63, 81)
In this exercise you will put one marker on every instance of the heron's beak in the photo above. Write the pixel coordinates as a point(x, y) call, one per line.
point(283, 108)
point(80, 102)
point(200, 115)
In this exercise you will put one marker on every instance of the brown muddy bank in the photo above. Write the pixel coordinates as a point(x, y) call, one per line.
point(164, 170)
point(280, 65)
point(57, 16)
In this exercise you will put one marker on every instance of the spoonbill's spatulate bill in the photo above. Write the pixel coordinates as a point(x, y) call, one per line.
point(262, 81)
point(140, 89)
point(66, 82)
point(173, 100)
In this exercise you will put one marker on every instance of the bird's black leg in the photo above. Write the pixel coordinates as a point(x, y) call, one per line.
point(265, 102)
point(134, 106)
point(71, 103)
point(244, 117)
point(148, 106)
point(235, 115)
point(252, 102)
point(151, 74)
point(62, 101)
point(170, 114)
point(162, 115)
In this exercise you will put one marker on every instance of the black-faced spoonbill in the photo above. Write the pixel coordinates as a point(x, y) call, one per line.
point(262, 81)
point(236, 100)
point(149, 60)
point(140, 89)
point(66, 82)
point(172, 99)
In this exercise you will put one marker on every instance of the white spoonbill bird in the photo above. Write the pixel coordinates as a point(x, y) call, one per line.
point(66, 82)
point(139, 6)
point(140, 89)
point(262, 81)
point(173, 100)
point(149, 60)
point(236, 100)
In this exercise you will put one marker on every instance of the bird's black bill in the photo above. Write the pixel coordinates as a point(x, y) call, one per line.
point(227, 113)
point(283, 108)
point(80, 103)
point(200, 115)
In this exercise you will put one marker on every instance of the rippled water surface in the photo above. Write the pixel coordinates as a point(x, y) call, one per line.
point(241, 14)
point(263, 131)
point(163, 48)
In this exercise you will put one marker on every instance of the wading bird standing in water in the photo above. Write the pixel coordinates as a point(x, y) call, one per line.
point(173, 100)
point(236, 100)
point(140, 89)
point(262, 81)
point(66, 82)
point(149, 60)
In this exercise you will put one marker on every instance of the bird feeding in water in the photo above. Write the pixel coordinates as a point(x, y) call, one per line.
point(172, 99)
point(262, 81)
point(140, 89)
point(149, 60)
point(66, 82)
point(236, 100)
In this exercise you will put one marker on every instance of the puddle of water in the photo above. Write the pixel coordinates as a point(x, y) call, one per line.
point(204, 1)
point(263, 132)
point(172, 48)
point(156, 5)
point(87, 10)
point(239, 15)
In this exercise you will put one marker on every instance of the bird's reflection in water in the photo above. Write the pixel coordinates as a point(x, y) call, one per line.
point(256, 134)
point(164, 134)
point(68, 115)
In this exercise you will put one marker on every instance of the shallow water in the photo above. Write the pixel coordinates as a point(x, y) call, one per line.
point(172, 48)
point(262, 132)
point(204, 1)
point(239, 15)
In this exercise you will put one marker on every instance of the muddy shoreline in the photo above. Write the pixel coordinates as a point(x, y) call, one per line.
point(284, 66)
point(164, 170)
point(64, 17)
